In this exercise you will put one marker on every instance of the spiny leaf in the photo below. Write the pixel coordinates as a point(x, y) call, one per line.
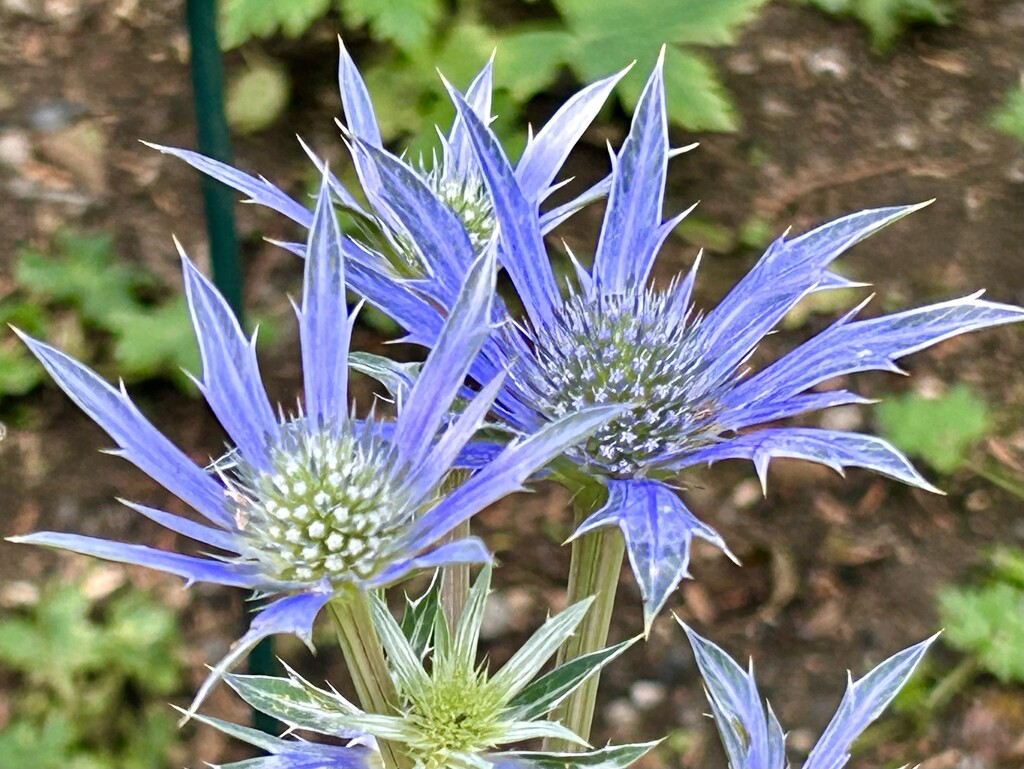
point(418, 618)
point(547, 692)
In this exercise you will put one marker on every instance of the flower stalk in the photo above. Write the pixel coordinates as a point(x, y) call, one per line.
point(594, 569)
point(364, 657)
point(455, 582)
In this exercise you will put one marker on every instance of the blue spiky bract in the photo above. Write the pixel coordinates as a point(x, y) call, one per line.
point(306, 504)
point(750, 732)
point(678, 375)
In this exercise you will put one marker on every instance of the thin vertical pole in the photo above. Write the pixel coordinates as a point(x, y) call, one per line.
point(219, 206)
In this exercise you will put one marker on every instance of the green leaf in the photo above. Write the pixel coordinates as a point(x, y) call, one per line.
point(19, 371)
point(150, 341)
point(405, 663)
point(241, 20)
point(887, 19)
point(1009, 116)
point(987, 622)
point(611, 757)
point(82, 273)
point(257, 96)
point(296, 702)
point(700, 22)
point(609, 35)
point(528, 60)
point(467, 633)
point(941, 431)
point(49, 745)
point(407, 23)
point(544, 694)
point(418, 618)
point(531, 656)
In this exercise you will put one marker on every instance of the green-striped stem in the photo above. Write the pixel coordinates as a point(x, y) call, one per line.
point(455, 582)
point(364, 656)
point(593, 571)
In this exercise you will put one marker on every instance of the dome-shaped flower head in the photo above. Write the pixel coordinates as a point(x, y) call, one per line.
point(306, 505)
point(750, 732)
point(425, 224)
point(680, 375)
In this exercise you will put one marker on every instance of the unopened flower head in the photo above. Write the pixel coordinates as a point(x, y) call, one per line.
point(451, 713)
point(305, 505)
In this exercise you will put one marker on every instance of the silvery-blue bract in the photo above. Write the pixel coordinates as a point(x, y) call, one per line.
point(750, 732)
point(432, 222)
point(308, 504)
point(611, 337)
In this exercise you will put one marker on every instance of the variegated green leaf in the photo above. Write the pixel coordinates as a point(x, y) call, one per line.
point(467, 634)
point(418, 619)
point(397, 377)
point(611, 757)
point(544, 694)
point(530, 658)
point(518, 731)
point(296, 705)
point(405, 662)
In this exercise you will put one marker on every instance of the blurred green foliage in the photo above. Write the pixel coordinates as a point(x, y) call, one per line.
point(886, 20)
point(941, 431)
point(1008, 117)
point(81, 297)
point(257, 96)
point(987, 621)
point(93, 680)
point(534, 44)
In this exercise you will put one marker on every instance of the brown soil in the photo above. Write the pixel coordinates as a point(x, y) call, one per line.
point(838, 573)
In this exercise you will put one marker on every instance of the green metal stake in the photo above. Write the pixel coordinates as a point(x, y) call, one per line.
point(219, 205)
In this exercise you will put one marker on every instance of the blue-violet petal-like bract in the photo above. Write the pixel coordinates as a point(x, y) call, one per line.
point(750, 732)
point(307, 504)
point(611, 337)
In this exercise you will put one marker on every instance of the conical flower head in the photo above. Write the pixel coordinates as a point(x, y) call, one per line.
point(312, 503)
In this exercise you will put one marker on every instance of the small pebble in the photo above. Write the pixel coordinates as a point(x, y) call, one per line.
point(647, 695)
point(830, 61)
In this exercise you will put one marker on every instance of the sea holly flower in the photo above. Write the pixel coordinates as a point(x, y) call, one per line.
point(316, 502)
point(680, 374)
point(750, 732)
point(396, 262)
point(451, 712)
